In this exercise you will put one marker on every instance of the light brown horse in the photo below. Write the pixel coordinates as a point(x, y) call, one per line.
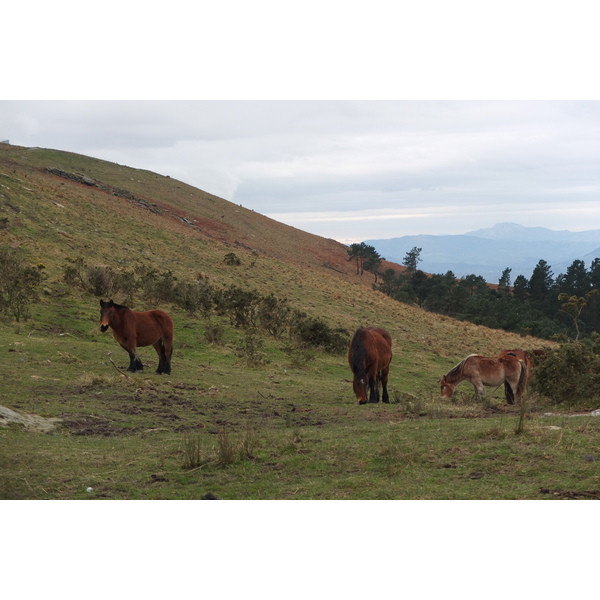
point(134, 329)
point(369, 357)
point(483, 371)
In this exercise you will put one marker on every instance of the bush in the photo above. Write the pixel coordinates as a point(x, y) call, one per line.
point(195, 297)
point(214, 334)
point(18, 284)
point(315, 332)
point(159, 287)
point(232, 260)
point(241, 306)
point(251, 351)
point(570, 374)
point(274, 315)
point(102, 281)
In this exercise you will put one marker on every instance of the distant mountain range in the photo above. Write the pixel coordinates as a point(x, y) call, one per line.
point(487, 252)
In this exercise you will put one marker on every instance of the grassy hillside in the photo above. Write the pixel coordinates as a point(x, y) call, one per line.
point(284, 427)
point(130, 217)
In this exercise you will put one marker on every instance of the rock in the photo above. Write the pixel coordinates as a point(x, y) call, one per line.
point(30, 422)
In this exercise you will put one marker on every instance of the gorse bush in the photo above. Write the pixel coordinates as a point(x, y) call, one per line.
point(241, 305)
point(315, 332)
point(197, 297)
point(19, 284)
point(251, 350)
point(102, 281)
point(245, 308)
point(274, 315)
point(214, 333)
point(159, 287)
point(571, 373)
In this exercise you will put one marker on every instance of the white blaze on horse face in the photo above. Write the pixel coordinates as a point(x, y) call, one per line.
point(105, 318)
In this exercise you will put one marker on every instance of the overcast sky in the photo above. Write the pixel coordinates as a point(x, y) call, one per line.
point(386, 166)
point(349, 170)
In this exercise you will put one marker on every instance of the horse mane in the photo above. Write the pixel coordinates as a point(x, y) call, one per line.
point(358, 353)
point(456, 372)
point(119, 305)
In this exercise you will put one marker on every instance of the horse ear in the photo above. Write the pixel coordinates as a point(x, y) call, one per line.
point(101, 302)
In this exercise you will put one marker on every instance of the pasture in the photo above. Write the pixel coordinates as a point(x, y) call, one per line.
point(245, 416)
point(279, 429)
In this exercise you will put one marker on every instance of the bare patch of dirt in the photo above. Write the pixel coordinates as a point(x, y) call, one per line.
point(572, 495)
point(92, 425)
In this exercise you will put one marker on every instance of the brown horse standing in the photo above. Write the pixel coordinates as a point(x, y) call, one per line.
point(136, 329)
point(523, 355)
point(490, 371)
point(369, 357)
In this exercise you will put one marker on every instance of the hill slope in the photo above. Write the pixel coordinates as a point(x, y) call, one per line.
point(58, 206)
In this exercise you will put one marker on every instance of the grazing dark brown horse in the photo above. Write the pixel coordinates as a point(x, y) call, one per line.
point(135, 329)
point(490, 371)
point(523, 355)
point(369, 357)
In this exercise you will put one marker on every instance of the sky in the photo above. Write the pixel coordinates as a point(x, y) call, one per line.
point(349, 170)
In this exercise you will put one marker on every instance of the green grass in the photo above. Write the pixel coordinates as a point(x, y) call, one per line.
point(289, 433)
point(289, 428)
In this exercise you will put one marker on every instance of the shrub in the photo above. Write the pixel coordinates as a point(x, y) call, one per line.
point(274, 315)
point(195, 297)
point(241, 306)
point(571, 373)
point(315, 332)
point(251, 350)
point(18, 284)
point(159, 287)
point(214, 333)
point(100, 281)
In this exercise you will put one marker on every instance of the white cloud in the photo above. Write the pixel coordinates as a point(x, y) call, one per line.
point(430, 167)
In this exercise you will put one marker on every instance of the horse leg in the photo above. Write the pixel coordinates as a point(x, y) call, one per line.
point(168, 350)
point(384, 380)
point(164, 366)
point(374, 387)
point(135, 363)
point(479, 390)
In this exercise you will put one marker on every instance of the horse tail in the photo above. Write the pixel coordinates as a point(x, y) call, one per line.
point(521, 385)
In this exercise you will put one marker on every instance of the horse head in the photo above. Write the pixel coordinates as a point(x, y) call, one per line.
point(360, 389)
point(106, 312)
point(445, 389)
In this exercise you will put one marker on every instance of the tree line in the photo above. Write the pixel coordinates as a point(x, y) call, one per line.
point(565, 306)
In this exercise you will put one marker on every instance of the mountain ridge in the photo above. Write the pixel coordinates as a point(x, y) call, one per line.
point(487, 252)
